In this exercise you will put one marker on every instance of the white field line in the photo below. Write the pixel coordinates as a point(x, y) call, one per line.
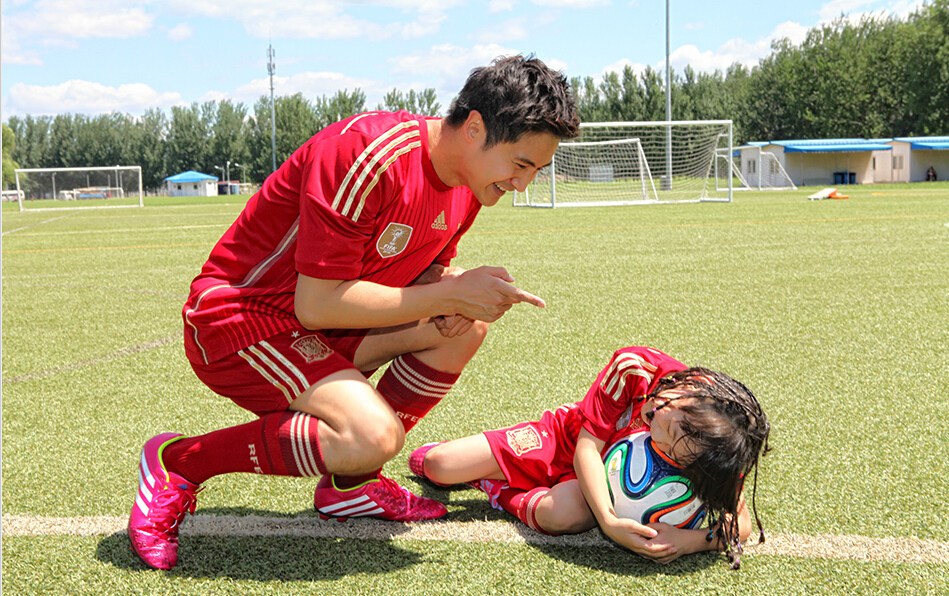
point(824, 546)
point(65, 368)
point(39, 223)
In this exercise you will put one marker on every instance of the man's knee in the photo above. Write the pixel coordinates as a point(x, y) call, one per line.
point(470, 341)
point(377, 439)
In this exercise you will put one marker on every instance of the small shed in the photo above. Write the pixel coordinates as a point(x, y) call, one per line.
point(821, 161)
point(914, 156)
point(191, 184)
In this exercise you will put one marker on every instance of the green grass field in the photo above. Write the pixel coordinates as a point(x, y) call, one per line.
point(834, 312)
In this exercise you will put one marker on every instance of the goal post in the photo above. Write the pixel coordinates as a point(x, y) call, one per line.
point(597, 172)
point(79, 188)
point(681, 157)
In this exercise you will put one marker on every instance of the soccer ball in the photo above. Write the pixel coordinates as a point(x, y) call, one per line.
point(646, 488)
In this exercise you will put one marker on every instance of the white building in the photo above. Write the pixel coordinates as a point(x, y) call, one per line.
point(824, 162)
point(819, 162)
point(191, 184)
point(913, 156)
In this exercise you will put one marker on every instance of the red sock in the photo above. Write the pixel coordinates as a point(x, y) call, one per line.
point(413, 388)
point(523, 505)
point(279, 444)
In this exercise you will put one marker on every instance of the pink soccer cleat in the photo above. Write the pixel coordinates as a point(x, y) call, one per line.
point(492, 488)
point(381, 498)
point(417, 461)
point(162, 501)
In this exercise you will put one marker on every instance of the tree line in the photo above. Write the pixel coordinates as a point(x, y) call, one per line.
point(879, 77)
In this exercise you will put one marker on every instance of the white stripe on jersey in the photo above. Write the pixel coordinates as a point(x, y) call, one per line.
point(250, 360)
point(380, 171)
point(415, 382)
point(355, 120)
point(367, 169)
point(360, 162)
point(265, 361)
point(288, 239)
point(623, 365)
point(304, 383)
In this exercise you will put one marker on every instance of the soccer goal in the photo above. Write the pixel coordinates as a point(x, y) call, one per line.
point(765, 172)
point(79, 188)
point(594, 173)
point(673, 162)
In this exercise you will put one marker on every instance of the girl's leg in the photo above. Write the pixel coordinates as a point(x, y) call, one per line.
point(563, 510)
point(461, 460)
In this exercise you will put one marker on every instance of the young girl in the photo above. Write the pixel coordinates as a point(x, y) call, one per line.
point(550, 474)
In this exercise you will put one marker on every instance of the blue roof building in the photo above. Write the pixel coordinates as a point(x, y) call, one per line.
point(191, 184)
point(824, 162)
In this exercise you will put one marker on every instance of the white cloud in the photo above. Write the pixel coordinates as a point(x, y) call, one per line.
point(310, 84)
point(180, 32)
point(855, 10)
point(510, 30)
point(86, 97)
point(10, 49)
point(619, 66)
point(325, 19)
point(570, 3)
point(835, 8)
point(81, 19)
point(500, 5)
point(445, 67)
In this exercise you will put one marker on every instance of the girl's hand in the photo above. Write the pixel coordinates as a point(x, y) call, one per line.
point(645, 541)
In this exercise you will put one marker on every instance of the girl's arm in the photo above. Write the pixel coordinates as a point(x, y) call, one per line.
point(687, 542)
point(591, 474)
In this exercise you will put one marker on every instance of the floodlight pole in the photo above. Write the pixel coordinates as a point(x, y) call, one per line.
point(271, 68)
point(668, 107)
point(227, 174)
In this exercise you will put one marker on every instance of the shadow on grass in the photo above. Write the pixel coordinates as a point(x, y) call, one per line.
point(620, 561)
point(612, 560)
point(268, 558)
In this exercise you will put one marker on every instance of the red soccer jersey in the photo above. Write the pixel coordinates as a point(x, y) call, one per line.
point(612, 406)
point(359, 200)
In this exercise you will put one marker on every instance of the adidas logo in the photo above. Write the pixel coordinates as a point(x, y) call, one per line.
point(439, 223)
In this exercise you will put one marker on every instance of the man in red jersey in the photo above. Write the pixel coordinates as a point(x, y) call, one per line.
point(339, 265)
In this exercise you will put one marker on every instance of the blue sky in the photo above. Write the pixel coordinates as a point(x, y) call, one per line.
point(97, 56)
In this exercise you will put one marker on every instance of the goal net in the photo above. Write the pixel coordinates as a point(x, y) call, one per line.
point(677, 161)
point(763, 171)
point(77, 188)
point(594, 173)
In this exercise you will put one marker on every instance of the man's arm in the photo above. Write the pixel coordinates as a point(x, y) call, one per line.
point(482, 294)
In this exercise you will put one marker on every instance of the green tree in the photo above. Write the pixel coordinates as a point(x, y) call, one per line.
point(9, 165)
point(188, 140)
point(342, 104)
point(423, 102)
point(229, 136)
point(150, 133)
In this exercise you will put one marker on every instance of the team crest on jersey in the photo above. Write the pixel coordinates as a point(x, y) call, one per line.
point(522, 440)
point(311, 348)
point(393, 240)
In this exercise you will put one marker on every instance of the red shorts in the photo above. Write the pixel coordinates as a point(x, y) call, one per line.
point(539, 453)
point(267, 376)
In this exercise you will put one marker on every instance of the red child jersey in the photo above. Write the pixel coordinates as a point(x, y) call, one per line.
point(359, 200)
point(612, 406)
point(540, 453)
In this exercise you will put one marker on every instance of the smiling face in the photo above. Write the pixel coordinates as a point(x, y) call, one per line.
point(491, 172)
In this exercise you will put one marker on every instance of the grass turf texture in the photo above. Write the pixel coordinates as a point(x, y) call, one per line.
point(833, 312)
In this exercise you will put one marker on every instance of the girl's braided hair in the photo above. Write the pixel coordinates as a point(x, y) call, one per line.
point(728, 432)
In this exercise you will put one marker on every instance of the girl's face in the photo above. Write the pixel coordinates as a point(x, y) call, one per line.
point(664, 416)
